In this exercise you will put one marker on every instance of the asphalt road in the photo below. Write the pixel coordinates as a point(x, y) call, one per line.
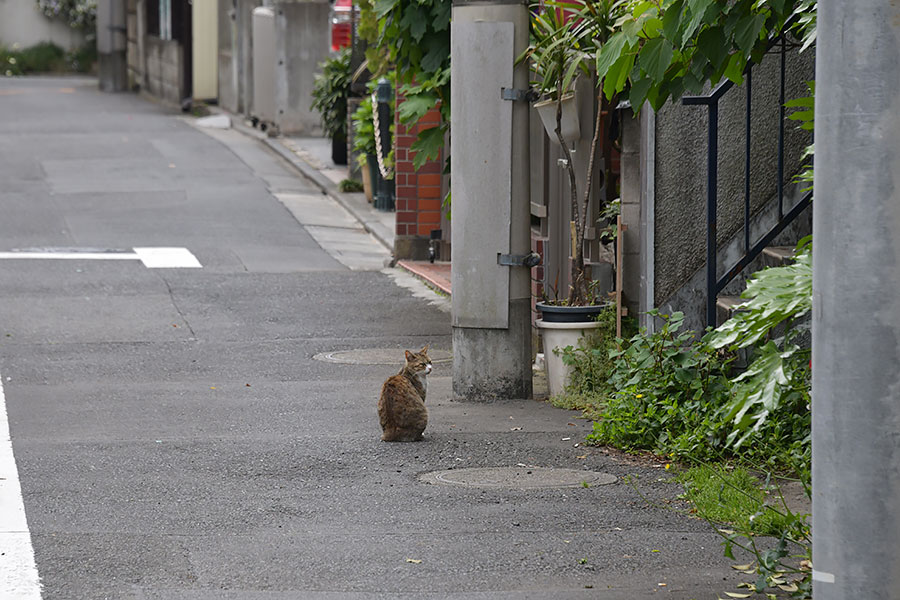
point(176, 439)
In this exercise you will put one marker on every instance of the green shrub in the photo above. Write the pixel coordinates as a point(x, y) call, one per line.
point(350, 185)
point(330, 93)
point(669, 394)
point(46, 57)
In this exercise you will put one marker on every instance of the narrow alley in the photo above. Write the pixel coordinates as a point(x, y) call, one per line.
point(206, 428)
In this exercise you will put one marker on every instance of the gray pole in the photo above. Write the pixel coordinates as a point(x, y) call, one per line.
point(111, 45)
point(491, 205)
point(856, 302)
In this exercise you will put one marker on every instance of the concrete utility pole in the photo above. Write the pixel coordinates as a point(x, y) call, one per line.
point(111, 45)
point(490, 190)
point(856, 302)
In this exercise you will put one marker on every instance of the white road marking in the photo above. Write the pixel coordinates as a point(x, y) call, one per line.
point(153, 258)
point(167, 258)
point(69, 255)
point(19, 578)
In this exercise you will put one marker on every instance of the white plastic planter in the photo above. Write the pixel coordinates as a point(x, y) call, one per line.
point(560, 335)
point(571, 129)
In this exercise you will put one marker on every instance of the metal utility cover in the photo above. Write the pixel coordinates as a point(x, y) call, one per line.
point(523, 478)
point(481, 164)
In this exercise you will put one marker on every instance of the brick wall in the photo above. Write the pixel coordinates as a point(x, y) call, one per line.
point(418, 193)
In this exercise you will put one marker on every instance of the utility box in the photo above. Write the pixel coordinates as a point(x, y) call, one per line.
point(262, 107)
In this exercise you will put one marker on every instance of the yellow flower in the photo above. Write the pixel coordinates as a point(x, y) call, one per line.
point(668, 466)
point(639, 396)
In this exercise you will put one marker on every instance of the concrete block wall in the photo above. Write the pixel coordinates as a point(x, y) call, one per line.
point(132, 51)
point(164, 70)
point(302, 41)
point(419, 193)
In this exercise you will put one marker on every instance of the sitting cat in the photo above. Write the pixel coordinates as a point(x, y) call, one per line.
point(401, 407)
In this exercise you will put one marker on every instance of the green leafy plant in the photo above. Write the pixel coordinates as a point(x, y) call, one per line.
point(350, 186)
point(566, 35)
point(363, 129)
point(778, 377)
point(663, 48)
point(330, 93)
point(416, 36)
point(46, 57)
point(668, 394)
point(363, 123)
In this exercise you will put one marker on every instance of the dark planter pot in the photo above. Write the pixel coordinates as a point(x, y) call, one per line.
point(551, 313)
point(339, 150)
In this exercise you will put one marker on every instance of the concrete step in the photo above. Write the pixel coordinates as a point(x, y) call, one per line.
point(778, 256)
point(772, 256)
point(725, 307)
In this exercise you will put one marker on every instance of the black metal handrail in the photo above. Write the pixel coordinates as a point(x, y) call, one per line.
point(714, 283)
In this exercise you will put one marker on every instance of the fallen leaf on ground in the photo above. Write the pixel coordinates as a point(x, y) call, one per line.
point(790, 587)
point(582, 456)
point(742, 567)
point(736, 595)
point(414, 561)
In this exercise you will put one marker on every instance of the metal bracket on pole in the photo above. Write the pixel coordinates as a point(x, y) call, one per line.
point(532, 259)
point(516, 95)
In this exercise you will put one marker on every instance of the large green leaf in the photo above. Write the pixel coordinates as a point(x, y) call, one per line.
point(747, 32)
point(414, 107)
point(713, 46)
point(773, 296)
point(697, 10)
point(427, 146)
point(655, 58)
point(610, 53)
point(383, 7)
point(672, 22)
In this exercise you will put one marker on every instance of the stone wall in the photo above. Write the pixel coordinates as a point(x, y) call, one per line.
point(302, 41)
point(164, 70)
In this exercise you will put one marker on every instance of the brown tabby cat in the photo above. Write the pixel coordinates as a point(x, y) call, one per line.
point(401, 407)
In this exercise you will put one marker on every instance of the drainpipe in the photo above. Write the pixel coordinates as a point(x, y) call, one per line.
point(856, 302)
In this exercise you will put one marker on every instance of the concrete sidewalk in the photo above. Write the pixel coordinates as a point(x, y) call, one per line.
point(311, 157)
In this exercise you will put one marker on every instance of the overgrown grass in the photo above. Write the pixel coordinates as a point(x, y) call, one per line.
point(732, 497)
point(350, 186)
point(46, 57)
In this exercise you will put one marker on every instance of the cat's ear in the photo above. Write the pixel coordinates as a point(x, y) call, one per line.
point(409, 355)
point(425, 349)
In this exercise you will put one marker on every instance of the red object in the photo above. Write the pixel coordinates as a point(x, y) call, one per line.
point(341, 24)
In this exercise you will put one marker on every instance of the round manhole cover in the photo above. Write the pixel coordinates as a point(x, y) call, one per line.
point(518, 477)
point(377, 356)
